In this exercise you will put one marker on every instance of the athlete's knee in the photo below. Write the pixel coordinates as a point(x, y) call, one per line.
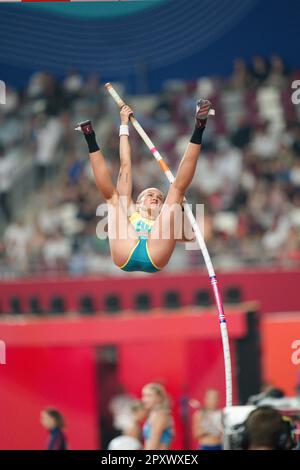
point(113, 197)
point(119, 259)
point(178, 190)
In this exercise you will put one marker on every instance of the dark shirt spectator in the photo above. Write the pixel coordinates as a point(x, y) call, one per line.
point(57, 440)
point(53, 421)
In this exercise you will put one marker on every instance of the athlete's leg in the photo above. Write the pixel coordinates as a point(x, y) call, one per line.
point(101, 172)
point(122, 235)
point(163, 235)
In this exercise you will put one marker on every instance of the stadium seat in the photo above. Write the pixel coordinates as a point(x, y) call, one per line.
point(34, 306)
point(202, 298)
point(15, 306)
point(112, 303)
point(233, 295)
point(57, 305)
point(142, 301)
point(86, 305)
point(171, 300)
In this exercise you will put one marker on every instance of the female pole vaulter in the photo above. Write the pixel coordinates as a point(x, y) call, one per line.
point(150, 225)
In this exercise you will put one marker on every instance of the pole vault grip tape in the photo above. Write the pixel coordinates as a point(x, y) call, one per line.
point(163, 165)
point(121, 103)
point(114, 94)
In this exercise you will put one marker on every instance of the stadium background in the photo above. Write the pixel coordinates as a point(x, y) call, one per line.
point(76, 329)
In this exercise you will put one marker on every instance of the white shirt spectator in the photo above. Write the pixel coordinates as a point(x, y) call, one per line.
point(230, 163)
point(208, 176)
point(11, 130)
point(49, 219)
point(73, 83)
point(124, 443)
point(17, 237)
point(8, 168)
point(11, 101)
point(47, 141)
point(119, 406)
point(57, 248)
point(212, 422)
point(274, 238)
point(265, 144)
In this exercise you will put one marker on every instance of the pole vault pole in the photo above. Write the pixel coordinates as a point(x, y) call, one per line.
point(212, 276)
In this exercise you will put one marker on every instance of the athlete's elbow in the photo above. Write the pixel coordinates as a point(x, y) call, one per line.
point(178, 187)
point(125, 164)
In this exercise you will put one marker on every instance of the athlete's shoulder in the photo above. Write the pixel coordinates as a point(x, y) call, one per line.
point(134, 217)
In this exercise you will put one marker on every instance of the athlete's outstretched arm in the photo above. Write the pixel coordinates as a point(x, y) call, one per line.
point(101, 172)
point(124, 185)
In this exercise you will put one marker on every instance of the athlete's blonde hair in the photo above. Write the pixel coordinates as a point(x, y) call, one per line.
point(160, 391)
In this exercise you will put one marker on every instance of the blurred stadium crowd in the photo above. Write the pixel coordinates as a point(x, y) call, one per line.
point(248, 176)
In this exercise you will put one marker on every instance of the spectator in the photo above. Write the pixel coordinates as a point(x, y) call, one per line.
point(57, 250)
point(259, 70)
point(265, 143)
point(124, 443)
point(17, 238)
point(131, 428)
point(240, 78)
point(207, 423)
point(159, 428)
point(267, 391)
point(242, 134)
point(278, 73)
point(266, 429)
point(120, 406)
point(48, 135)
point(7, 166)
point(53, 421)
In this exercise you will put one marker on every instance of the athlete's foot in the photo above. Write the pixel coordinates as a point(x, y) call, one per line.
point(202, 111)
point(85, 127)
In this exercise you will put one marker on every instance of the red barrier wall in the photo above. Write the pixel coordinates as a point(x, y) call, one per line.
point(275, 290)
point(37, 377)
point(281, 354)
point(53, 362)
